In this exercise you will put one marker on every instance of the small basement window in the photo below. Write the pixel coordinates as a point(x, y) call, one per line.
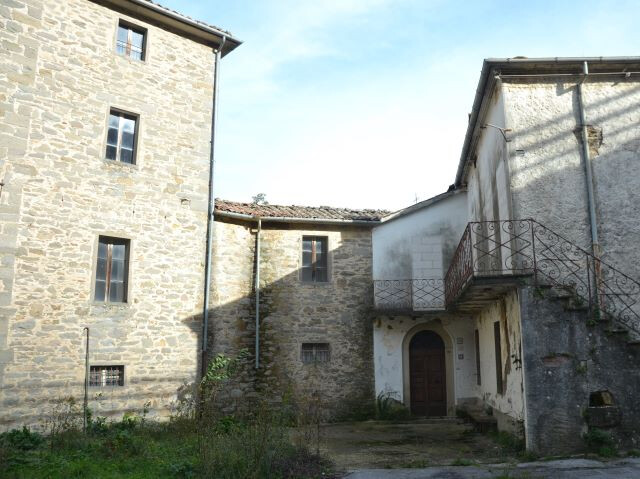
point(131, 41)
point(101, 376)
point(315, 353)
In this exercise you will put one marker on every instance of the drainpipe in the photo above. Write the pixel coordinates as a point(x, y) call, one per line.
point(257, 288)
point(85, 403)
point(595, 245)
point(212, 162)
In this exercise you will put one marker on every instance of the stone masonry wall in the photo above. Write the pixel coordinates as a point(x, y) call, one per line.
point(566, 358)
point(58, 79)
point(293, 312)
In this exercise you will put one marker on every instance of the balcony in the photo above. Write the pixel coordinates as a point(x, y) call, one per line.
point(494, 257)
point(407, 295)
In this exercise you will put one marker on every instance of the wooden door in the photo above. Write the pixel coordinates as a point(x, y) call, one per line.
point(427, 375)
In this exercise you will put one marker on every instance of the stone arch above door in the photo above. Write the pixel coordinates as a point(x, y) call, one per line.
point(437, 328)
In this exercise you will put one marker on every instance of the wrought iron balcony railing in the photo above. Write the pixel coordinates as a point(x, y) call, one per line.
point(526, 247)
point(409, 294)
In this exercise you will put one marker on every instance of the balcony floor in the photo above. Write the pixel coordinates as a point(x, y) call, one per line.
point(481, 291)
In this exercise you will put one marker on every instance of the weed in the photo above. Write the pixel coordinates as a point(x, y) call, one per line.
point(462, 462)
point(600, 442)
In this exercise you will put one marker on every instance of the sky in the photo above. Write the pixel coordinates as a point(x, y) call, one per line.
point(364, 103)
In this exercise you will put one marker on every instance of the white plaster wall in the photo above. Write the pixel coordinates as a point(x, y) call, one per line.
point(507, 312)
point(488, 180)
point(548, 179)
point(388, 337)
point(419, 245)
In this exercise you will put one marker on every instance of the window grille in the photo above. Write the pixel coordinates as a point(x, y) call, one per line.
point(106, 376)
point(131, 41)
point(315, 353)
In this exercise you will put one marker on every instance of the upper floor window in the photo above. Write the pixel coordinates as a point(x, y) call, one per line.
point(314, 259)
point(112, 270)
point(121, 137)
point(131, 41)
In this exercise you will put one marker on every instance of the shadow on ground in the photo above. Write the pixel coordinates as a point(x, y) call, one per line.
point(415, 444)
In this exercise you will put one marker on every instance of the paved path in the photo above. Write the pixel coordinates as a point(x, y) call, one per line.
point(562, 469)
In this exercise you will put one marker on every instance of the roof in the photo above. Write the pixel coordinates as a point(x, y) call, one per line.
point(293, 212)
point(492, 67)
point(183, 24)
point(423, 204)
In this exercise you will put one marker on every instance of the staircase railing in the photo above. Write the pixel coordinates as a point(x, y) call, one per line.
point(526, 247)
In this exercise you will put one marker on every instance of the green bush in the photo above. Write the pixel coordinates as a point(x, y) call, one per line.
point(23, 439)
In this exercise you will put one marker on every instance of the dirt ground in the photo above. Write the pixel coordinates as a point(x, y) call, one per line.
point(375, 444)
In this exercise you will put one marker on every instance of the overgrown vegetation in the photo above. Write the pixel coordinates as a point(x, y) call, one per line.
point(198, 441)
point(600, 442)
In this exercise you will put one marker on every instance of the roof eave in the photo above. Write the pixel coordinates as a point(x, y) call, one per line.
point(487, 81)
point(184, 25)
point(286, 219)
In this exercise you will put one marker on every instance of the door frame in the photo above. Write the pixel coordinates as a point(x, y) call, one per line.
point(437, 328)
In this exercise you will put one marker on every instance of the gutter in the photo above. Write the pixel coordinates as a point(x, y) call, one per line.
point(257, 289)
point(159, 13)
point(285, 219)
point(211, 206)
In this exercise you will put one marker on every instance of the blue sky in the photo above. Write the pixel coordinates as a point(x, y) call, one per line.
point(364, 103)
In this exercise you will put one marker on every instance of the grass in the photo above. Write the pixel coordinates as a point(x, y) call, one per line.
point(152, 450)
point(198, 442)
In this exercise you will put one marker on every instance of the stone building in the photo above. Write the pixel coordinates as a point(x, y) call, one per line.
point(311, 269)
point(105, 144)
point(512, 296)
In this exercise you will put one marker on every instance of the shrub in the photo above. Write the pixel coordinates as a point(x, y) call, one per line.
point(23, 439)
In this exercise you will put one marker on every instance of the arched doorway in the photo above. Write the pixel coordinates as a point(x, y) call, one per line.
point(427, 374)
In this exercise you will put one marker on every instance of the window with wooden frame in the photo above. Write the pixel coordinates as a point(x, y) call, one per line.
point(315, 353)
point(131, 41)
point(106, 376)
point(498, 343)
point(314, 259)
point(112, 270)
point(477, 340)
point(121, 137)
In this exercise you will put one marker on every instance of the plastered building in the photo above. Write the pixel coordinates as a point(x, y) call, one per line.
point(511, 297)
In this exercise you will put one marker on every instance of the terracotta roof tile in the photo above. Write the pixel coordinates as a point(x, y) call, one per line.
point(292, 211)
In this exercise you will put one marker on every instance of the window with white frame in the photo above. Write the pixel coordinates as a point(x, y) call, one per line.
point(131, 41)
point(121, 137)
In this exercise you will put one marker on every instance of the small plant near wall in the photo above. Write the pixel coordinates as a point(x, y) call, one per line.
point(600, 442)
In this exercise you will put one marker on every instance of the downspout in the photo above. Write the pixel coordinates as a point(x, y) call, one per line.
point(595, 245)
point(257, 289)
point(210, 210)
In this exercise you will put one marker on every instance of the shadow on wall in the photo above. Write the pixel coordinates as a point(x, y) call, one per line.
point(331, 321)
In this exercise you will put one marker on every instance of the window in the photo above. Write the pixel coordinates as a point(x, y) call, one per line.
point(106, 376)
point(496, 336)
point(478, 377)
point(315, 353)
point(314, 259)
point(121, 137)
point(112, 270)
point(131, 41)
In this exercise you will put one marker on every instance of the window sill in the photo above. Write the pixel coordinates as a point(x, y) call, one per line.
point(111, 306)
point(322, 284)
point(120, 164)
point(129, 59)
